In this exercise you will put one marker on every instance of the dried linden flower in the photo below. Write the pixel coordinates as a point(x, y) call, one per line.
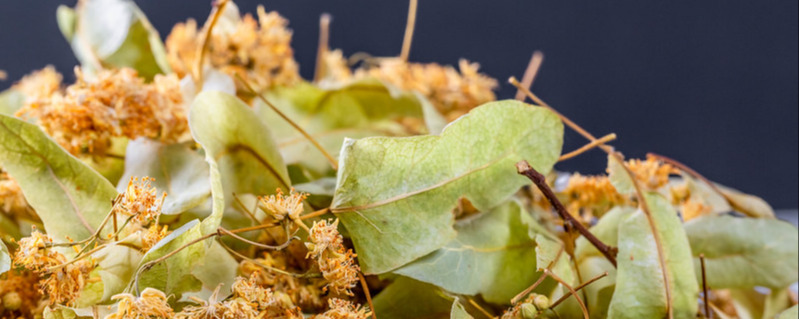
point(692, 209)
point(260, 50)
point(33, 252)
point(39, 85)
point(337, 263)
point(335, 67)
point(280, 206)
point(141, 201)
point(151, 305)
point(152, 235)
point(64, 284)
point(588, 196)
point(248, 301)
point(304, 292)
point(17, 296)
point(343, 309)
point(453, 93)
point(651, 173)
point(118, 103)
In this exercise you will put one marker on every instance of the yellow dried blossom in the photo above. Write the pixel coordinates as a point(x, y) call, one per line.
point(39, 85)
point(17, 285)
point(118, 103)
point(651, 173)
point(337, 263)
point(304, 292)
point(152, 235)
point(249, 300)
point(151, 305)
point(323, 237)
point(453, 93)
point(280, 206)
point(692, 209)
point(258, 50)
point(141, 201)
point(335, 67)
point(64, 284)
point(34, 252)
point(343, 309)
point(587, 196)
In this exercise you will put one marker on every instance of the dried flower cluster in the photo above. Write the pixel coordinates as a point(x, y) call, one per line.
point(117, 103)
point(259, 50)
point(17, 296)
point(141, 201)
point(280, 206)
point(337, 263)
point(651, 173)
point(151, 305)
point(60, 280)
point(304, 292)
point(12, 201)
point(453, 93)
point(343, 309)
point(249, 300)
point(529, 308)
point(588, 196)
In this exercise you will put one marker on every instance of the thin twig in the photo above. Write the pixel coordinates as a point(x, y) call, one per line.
point(313, 141)
point(264, 246)
point(367, 294)
point(573, 292)
point(530, 73)
point(152, 263)
point(587, 147)
point(704, 286)
point(198, 69)
point(269, 268)
point(529, 289)
point(409, 26)
point(564, 297)
point(321, 50)
point(315, 214)
point(476, 305)
point(569, 221)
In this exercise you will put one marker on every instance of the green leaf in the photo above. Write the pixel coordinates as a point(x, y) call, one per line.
point(618, 176)
point(70, 198)
point(218, 267)
point(408, 298)
point(458, 312)
point(746, 204)
point(493, 255)
point(640, 286)
point(5, 258)
point(396, 195)
point(356, 110)
point(116, 33)
point(117, 265)
point(174, 274)
point(791, 313)
point(239, 149)
point(606, 230)
point(177, 169)
point(745, 252)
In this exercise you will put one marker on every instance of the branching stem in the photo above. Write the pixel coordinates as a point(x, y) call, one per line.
point(573, 292)
point(590, 281)
point(569, 221)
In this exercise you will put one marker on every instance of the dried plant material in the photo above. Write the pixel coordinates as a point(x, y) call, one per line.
point(118, 103)
point(39, 85)
point(151, 305)
point(152, 235)
point(63, 285)
point(343, 309)
point(141, 201)
point(12, 201)
point(651, 173)
point(337, 263)
point(34, 252)
point(336, 68)
point(248, 301)
point(257, 49)
point(453, 93)
point(280, 206)
point(304, 292)
point(589, 196)
point(17, 295)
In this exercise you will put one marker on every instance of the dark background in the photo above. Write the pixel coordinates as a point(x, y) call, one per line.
point(710, 83)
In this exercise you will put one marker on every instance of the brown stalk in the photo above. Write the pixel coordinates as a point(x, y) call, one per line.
point(529, 289)
point(324, 36)
point(367, 294)
point(587, 147)
point(478, 307)
point(198, 69)
point(293, 124)
point(530, 73)
point(581, 286)
point(704, 286)
point(569, 221)
point(639, 194)
point(573, 292)
point(409, 26)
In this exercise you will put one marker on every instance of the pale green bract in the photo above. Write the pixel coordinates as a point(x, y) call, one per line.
point(411, 299)
point(458, 312)
point(114, 33)
point(745, 252)
point(174, 274)
point(494, 254)
point(177, 169)
point(239, 149)
point(791, 313)
point(395, 195)
point(5, 258)
point(640, 287)
point(70, 198)
point(619, 177)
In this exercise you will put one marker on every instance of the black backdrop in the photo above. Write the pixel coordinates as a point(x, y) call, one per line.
point(711, 83)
